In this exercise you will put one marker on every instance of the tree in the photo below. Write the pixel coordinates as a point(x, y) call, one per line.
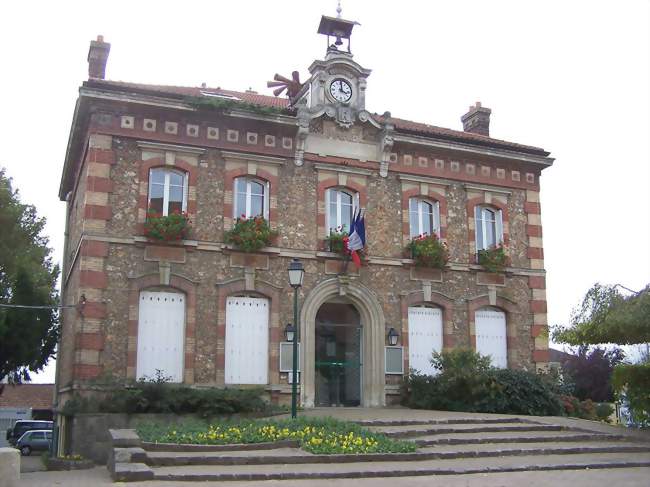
point(607, 315)
point(28, 336)
point(591, 372)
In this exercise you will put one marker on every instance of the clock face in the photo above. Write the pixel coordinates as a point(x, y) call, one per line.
point(341, 90)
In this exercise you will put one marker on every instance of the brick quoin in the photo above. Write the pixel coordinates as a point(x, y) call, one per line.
point(533, 230)
point(97, 212)
point(537, 282)
point(90, 341)
point(92, 248)
point(538, 306)
point(85, 371)
point(100, 156)
point(535, 253)
point(99, 185)
point(536, 330)
point(93, 279)
point(532, 208)
point(541, 355)
point(94, 310)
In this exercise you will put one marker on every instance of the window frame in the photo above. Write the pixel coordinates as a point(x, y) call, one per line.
point(435, 216)
point(166, 188)
point(265, 197)
point(328, 200)
point(479, 218)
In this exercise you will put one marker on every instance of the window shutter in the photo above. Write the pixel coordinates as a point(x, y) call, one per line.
point(328, 216)
point(267, 197)
point(436, 218)
point(490, 326)
point(425, 337)
point(247, 341)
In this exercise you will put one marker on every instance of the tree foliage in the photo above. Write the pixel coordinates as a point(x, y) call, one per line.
point(591, 372)
point(608, 316)
point(28, 337)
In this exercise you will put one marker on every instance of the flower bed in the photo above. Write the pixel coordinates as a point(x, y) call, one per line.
point(166, 228)
point(315, 435)
point(428, 251)
point(250, 234)
point(493, 259)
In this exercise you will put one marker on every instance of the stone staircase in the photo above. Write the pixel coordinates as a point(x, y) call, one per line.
point(445, 447)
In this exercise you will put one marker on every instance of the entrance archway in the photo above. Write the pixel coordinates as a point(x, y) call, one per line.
point(366, 304)
point(339, 360)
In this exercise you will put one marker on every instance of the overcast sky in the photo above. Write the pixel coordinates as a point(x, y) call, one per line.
point(569, 76)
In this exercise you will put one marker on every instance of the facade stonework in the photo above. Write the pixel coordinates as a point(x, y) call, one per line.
point(299, 153)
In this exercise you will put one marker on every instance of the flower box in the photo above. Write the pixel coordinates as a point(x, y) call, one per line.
point(428, 251)
point(493, 259)
point(250, 234)
point(169, 228)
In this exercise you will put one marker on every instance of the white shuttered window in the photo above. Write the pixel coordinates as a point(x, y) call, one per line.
point(247, 340)
point(425, 337)
point(491, 336)
point(161, 332)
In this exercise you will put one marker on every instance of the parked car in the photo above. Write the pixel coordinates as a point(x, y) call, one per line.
point(34, 440)
point(23, 425)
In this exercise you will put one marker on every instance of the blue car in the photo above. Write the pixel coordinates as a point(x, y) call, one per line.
point(34, 440)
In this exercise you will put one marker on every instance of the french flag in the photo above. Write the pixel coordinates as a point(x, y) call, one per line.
point(357, 237)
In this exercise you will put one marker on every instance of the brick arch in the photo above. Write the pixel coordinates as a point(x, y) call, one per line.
point(178, 283)
point(261, 289)
point(430, 196)
point(437, 299)
point(505, 305)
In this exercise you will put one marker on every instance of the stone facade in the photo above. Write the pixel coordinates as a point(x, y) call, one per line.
point(119, 137)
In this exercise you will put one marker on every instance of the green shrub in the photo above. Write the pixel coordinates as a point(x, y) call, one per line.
point(160, 397)
point(604, 411)
point(519, 392)
point(576, 408)
point(466, 382)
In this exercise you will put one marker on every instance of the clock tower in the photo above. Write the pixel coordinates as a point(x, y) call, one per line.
point(335, 98)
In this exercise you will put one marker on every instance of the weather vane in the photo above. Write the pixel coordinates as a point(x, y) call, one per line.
point(338, 9)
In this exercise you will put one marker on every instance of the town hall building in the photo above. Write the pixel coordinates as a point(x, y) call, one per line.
point(202, 312)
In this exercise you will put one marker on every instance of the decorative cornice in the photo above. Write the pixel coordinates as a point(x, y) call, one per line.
point(156, 146)
point(473, 149)
point(247, 156)
point(487, 187)
point(319, 166)
point(423, 179)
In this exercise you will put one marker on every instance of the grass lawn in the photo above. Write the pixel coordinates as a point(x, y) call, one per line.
point(315, 435)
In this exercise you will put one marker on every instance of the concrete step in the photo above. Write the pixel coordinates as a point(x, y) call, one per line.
point(471, 437)
point(230, 447)
point(413, 422)
point(298, 456)
point(395, 468)
point(426, 430)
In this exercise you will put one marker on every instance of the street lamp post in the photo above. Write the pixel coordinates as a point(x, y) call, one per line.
point(296, 275)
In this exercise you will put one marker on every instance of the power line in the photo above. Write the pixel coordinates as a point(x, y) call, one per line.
point(24, 306)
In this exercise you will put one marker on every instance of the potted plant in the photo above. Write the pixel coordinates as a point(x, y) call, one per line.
point(172, 227)
point(250, 234)
point(493, 259)
point(335, 241)
point(428, 251)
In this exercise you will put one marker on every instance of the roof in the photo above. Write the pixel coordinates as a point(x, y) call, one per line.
point(35, 396)
point(401, 125)
point(558, 356)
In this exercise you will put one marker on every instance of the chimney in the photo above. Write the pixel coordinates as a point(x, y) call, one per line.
point(477, 120)
point(97, 57)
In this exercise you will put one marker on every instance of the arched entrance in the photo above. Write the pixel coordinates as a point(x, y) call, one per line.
point(338, 361)
point(355, 300)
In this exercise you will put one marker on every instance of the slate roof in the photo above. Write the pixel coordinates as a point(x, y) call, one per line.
point(35, 396)
point(401, 125)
